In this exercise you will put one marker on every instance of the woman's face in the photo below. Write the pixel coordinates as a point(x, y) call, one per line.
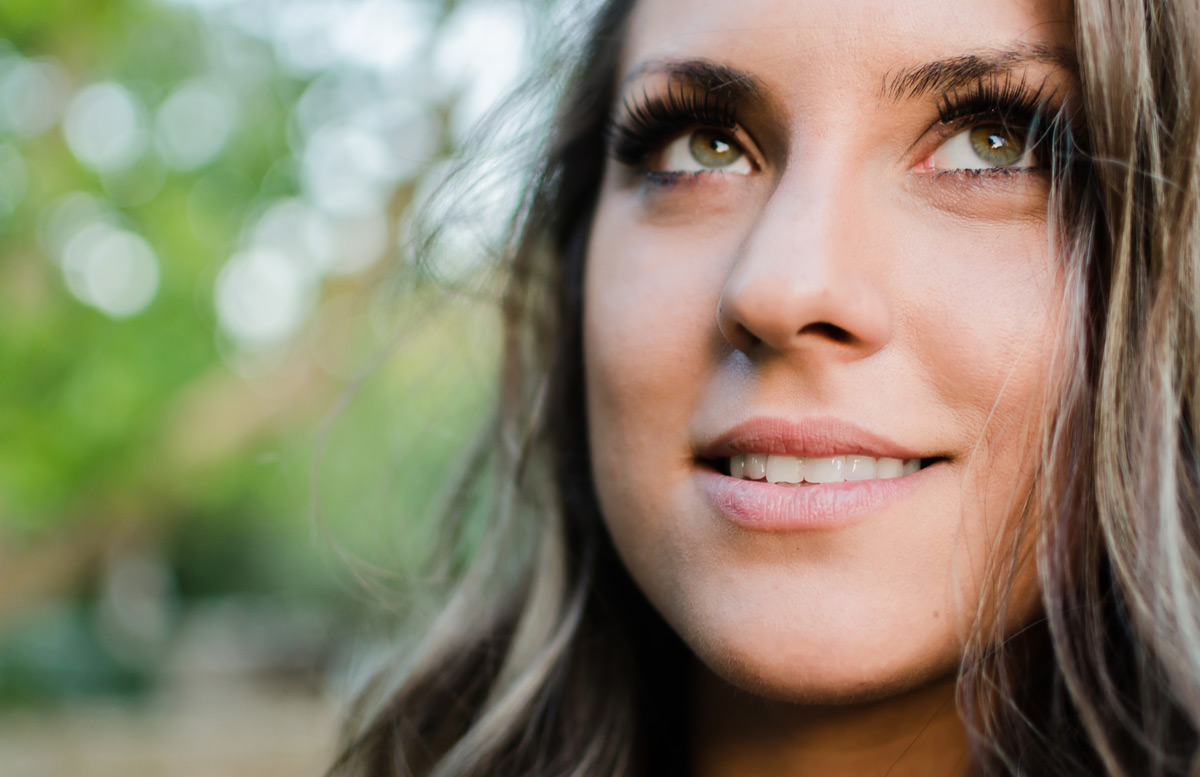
point(821, 254)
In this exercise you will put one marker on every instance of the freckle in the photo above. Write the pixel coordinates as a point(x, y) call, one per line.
point(936, 614)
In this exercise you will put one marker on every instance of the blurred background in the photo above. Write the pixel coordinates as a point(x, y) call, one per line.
point(228, 394)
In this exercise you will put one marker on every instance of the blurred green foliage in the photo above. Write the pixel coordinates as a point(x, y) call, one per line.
point(157, 431)
point(85, 394)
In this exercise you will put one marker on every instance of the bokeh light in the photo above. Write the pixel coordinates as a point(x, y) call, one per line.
point(105, 127)
point(292, 228)
point(383, 35)
point(263, 297)
point(346, 169)
point(111, 269)
point(32, 94)
point(65, 217)
point(194, 124)
point(481, 54)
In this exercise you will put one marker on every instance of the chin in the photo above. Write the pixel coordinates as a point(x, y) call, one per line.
point(825, 670)
point(818, 684)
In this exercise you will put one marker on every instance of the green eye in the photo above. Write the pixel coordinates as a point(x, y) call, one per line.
point(705, 151)
point(997, 145)
point(991, 146)
point(713, 150)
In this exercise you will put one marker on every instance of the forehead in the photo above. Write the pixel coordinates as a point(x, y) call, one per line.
point(789, 44)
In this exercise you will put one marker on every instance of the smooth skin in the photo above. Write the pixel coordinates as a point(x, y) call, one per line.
point(849, 272)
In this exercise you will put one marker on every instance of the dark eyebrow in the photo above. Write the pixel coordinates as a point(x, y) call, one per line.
point(954, 73)
point(703, 73)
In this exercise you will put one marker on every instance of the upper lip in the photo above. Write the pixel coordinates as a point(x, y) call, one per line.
point(813, 438)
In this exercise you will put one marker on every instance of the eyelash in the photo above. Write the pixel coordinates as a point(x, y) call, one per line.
point(646, 123)
point(1007, 102)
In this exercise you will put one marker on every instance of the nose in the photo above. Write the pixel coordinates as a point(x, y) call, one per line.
point(804, 279)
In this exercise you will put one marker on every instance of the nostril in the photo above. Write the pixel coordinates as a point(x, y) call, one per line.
point(828, 330)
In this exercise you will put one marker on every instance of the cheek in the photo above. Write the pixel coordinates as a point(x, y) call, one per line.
point(651, 343)
point(984, 317)
point(984, 326)
point(651, 348)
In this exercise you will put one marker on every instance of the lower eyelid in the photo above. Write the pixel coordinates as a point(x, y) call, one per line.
point(984, 196)
point(673, 177)
point(668, 177)
point(955, 188)
point(986, 172)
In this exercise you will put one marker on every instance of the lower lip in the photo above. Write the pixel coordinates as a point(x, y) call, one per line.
point(763, 506)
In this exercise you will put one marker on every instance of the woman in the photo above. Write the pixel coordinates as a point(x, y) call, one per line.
point(867, 443)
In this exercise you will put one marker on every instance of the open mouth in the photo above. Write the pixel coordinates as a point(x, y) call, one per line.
point(801, 471)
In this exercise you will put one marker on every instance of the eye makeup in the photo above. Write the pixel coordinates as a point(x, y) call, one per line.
point(647, 122)
point(998, 96)
point(696, 97)
point(1018, 109)
point(691, 94)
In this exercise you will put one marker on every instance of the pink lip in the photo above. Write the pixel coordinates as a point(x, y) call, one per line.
point(763, 506)
point(814, 437)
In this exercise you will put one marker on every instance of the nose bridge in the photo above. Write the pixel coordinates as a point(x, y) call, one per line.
point(800, 279)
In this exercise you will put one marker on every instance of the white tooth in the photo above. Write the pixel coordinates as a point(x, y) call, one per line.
point(784, 469)
point(911, 466)
point(737, 465)
point(825, 470)
point(885, 468)
point(860, 468)
point(756, 466)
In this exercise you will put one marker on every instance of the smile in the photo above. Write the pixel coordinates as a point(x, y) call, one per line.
point(798, 470)
point(762, 505)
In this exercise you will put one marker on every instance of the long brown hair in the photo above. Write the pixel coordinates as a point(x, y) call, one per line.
point(546, 658)
point(1119, 560)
